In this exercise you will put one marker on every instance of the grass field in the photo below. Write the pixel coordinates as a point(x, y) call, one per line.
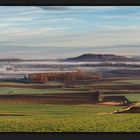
point(65, 118)
point(10, 90)
point(129, 81)
point(53, 118)
point(119, 82)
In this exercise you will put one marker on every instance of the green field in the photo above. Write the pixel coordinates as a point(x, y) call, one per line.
point(119, 82)
point(65, 118)
point(11, 90)
point(130, 81)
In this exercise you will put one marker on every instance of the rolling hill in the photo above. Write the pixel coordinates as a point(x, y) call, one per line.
point(100, 58)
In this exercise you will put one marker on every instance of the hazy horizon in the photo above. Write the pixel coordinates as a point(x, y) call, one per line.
point(50, 32)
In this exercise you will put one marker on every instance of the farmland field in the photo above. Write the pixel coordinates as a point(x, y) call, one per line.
point(120, 82)
point(65, 118)
point(9, 90)
point(33, 117)
point(62, 118)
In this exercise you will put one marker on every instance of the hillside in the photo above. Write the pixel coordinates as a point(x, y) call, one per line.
point(100, 58)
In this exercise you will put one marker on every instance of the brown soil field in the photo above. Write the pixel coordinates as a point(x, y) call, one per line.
point(59, 98)
point(101, 87)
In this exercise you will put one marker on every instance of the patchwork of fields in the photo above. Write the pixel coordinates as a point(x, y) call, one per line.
point(33, 117)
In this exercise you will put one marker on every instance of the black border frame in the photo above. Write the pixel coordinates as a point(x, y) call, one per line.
point(70, 2)
point(71, 136)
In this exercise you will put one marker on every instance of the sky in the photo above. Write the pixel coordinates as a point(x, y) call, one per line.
point(62, 31)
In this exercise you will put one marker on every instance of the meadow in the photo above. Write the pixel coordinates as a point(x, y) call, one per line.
point(11, 90)
point(65, 118)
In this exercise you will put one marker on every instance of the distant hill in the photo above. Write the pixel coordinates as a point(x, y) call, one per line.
point(100, 58)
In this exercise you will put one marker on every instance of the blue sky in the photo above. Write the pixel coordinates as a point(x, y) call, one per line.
point(59, 32)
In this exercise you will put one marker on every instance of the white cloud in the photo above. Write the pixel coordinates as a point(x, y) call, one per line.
point(129, 16)
point(34, 27)
point(94, 8)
